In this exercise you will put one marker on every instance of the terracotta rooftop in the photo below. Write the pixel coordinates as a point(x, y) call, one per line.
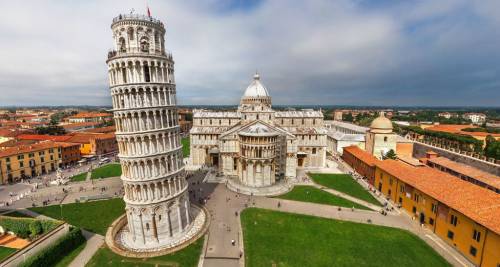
point(467, 170)
point(27, 148)
point(457, 129)
point(40, 137)
point(479, 204)
point(91, 115)
point(362, 155)
point(107, 129)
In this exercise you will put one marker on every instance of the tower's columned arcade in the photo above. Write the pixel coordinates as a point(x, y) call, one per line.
point(142, 84)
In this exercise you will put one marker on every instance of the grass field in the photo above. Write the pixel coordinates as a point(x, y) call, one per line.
point(285, 239)
point(93, 216)
point(187, 257)
point(185, 146)
point(5, 252)
point(110, 170)
point(66, 260)
point(344, 183)
point(79, 177)
point(311, 194)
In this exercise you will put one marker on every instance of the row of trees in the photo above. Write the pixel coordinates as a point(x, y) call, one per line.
point(462, 142)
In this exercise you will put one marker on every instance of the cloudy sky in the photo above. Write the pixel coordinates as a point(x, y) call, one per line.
point(358, 52)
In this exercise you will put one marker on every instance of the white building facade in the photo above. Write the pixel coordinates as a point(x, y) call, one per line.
point(142, 84)
point(256, 144)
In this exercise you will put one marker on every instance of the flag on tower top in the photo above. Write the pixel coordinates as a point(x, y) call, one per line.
point(149, 12)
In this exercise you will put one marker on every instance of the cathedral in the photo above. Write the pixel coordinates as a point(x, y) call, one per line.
point(256, 145)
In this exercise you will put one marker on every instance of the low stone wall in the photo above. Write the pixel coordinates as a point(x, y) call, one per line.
point(119, 223)
point(42, 242)
point(419, 150)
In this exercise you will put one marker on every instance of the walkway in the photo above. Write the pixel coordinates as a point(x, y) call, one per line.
point(94, 242)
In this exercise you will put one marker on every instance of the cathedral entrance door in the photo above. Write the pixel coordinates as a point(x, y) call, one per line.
point(300, 162)
point(215, 160)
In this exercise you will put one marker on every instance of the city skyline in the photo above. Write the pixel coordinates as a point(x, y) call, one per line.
point(341, 53)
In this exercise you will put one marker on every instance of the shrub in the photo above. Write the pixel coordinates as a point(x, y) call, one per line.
point(22, 226)
point(35, 228)
point(60, 248)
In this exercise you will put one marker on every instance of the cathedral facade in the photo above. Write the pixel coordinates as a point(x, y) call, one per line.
point(256, 144)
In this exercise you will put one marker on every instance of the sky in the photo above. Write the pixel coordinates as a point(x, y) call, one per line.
point(358, 52)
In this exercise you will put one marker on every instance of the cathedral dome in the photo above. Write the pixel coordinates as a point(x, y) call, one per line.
point(381, 123)
point(256, 89)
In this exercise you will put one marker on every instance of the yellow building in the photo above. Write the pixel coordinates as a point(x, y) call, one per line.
point(29, 160)
point(464, 215)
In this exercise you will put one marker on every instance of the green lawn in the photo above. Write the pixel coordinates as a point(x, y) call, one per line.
point(285, 239)
point(93, 216)
point(311, 194)
point(344, 183)
point(5, 252)
point(187, 257)
point(67, 259)
point(110, 170)
point(79, 177)
point(185, 146)
point(16, 214)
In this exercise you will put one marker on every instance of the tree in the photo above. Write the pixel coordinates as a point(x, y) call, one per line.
point(348, 117)
point(390, 154)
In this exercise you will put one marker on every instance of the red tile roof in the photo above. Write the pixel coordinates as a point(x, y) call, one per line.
point(57, 138)
point(27, 148)
point(467, 170)
point(362, 155)
point(91, 115)
point(457, 129)
point(477, 203)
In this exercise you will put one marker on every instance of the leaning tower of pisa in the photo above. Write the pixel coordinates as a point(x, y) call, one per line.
point(141, 77)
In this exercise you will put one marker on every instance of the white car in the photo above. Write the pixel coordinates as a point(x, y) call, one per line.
point(104, 160)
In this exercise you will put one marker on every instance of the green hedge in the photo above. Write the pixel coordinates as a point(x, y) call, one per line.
point(62, 247)
point(27, 227)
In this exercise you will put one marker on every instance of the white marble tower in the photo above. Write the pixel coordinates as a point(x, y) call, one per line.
point(142, 84)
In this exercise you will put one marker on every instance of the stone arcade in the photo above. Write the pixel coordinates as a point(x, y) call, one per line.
point(141, 76)
point(255, 146)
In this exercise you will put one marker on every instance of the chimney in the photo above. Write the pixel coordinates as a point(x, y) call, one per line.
point(431, 154)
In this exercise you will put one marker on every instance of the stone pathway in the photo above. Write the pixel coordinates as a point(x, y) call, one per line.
point(94, 242)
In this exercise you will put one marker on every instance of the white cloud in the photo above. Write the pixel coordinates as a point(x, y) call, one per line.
point(328, 52)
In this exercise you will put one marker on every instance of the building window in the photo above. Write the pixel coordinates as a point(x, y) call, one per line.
point(19, 157)
point(434, 208)
point(385, 138)
point(473, 251)
point(31, 155)
point(476, 235)
point(453, 220)
point(21, 164)
point(314, 150)
point(390, 181)
point(7, 160)
point(431, 221)
point(450, 235)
